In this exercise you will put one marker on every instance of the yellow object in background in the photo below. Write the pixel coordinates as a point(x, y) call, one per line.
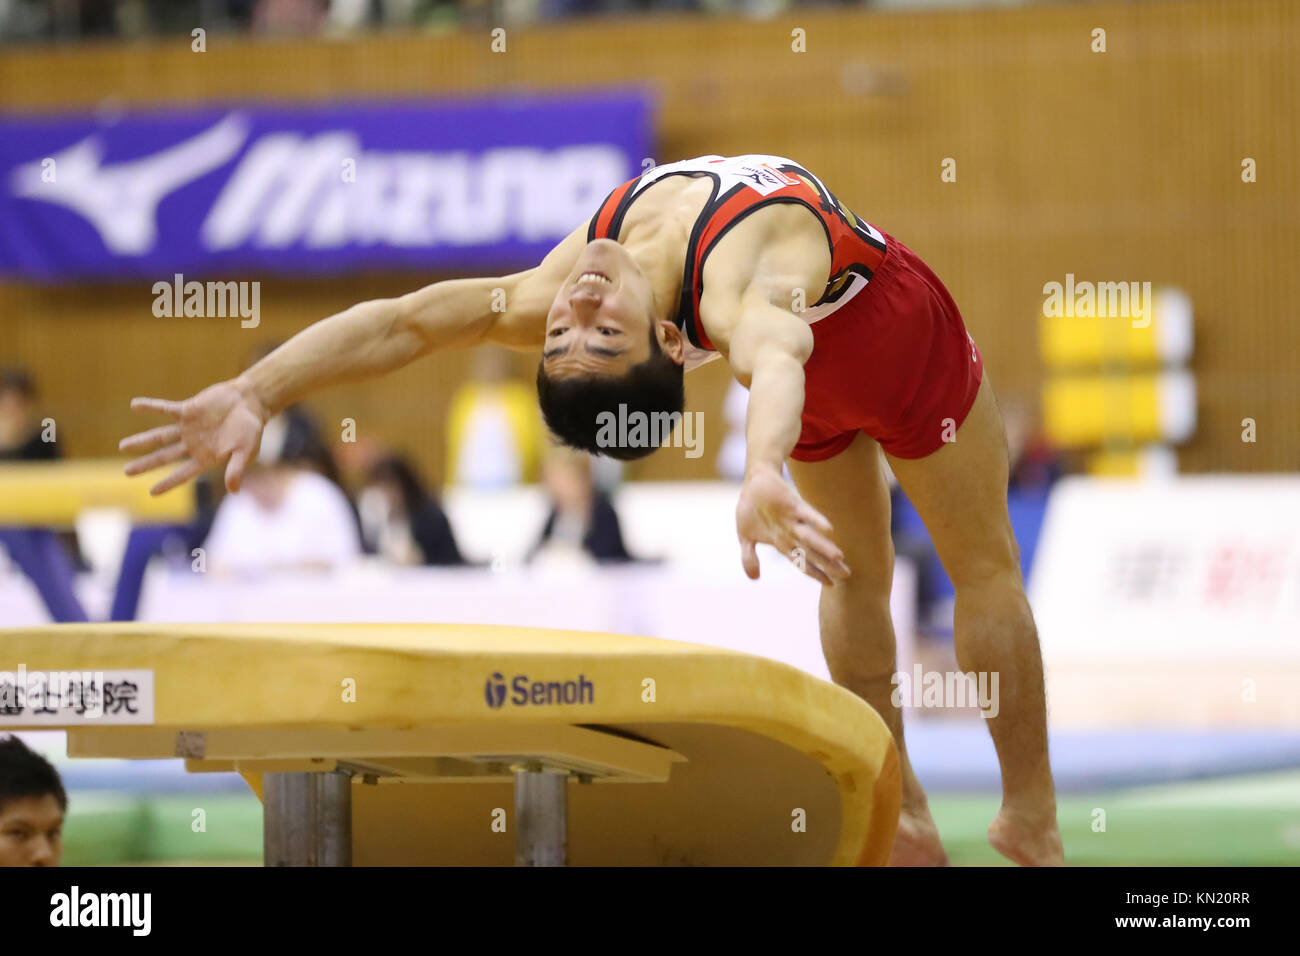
point(53, 494)
point(1071, 341)
point(1139, 327)
point(1150, 461)
point(497, 421)
point(1084, 410)
point(1116, 464)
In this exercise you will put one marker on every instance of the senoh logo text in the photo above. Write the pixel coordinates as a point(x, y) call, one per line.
point(520, 691)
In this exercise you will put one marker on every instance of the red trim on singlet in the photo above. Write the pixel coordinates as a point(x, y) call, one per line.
point(894, 360)
point(851, 250)
point(607, 211)
point(721, 217)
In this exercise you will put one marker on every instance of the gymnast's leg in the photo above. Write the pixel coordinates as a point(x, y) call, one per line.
point(960, 491)
point(856, 628)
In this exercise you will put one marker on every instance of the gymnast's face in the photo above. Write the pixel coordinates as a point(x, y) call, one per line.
point(600, 319)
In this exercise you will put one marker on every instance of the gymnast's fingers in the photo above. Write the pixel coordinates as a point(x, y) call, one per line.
point(814, 559)
point(749, 558)
point(151, 439)
point(164, 456)
point(178, 477)
point(809, 560)
point(817, 574)
point(156, 405)
point(822, 549)
point(810, 515)
point(235, 469)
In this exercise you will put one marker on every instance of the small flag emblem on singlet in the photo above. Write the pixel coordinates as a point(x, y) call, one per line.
point(789, 181)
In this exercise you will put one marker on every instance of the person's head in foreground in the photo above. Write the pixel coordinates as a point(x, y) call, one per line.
point(611, 356)
point(32, 806)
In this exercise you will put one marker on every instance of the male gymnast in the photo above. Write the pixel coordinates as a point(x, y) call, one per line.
point(850, 347)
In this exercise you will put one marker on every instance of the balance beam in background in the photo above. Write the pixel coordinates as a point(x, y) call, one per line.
point(53, 493)
point(674, 753)
point(38, 497)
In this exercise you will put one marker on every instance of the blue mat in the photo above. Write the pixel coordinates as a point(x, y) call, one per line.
point(145, 776)
point(952, 756)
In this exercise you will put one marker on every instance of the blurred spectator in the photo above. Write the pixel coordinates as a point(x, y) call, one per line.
point(348, 16)
point(564, 9)
point(291, 439)
point(401, 521)
point(32, 807)
point(912, 542)
point(293, 435)
point(21, 437)
point(284, 518)
point(358, 458)
point(1034, 464)
point(731, 456)
point(494, 431)
point(73, 19)
point(289, 16)
point(582, 518)
point(291, 513)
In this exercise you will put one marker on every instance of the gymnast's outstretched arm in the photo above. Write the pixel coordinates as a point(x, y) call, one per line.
point(224, 422)
point(748, 314)
point(767, 352)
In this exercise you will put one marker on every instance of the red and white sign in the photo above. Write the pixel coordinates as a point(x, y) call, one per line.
point(1171, 601)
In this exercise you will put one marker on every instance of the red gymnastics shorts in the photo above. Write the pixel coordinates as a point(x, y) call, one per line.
point(895, 362)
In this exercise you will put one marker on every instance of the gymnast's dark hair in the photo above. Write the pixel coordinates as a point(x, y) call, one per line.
point(25, 773)
point(572, 406)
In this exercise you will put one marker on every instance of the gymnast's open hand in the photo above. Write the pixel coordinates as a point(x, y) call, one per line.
point(222, 423)
point(770, 511)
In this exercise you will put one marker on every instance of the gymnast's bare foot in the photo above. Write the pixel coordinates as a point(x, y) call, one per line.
point(917, 841)
point(1027, 841)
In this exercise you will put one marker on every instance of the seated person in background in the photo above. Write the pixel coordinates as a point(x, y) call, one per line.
point(292, 435)
point(494, 434)
point(731, 456)
point(294, 432)
point(32, 807)
point(401, 521)
point(20, 430)
point(1034, 464)
point(291, 518)
point(22, 437)
point(582, 518)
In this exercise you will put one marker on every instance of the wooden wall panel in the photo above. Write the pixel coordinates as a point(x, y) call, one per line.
point(1123, 165)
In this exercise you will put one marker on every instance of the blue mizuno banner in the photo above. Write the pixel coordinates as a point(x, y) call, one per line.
point(310, 189)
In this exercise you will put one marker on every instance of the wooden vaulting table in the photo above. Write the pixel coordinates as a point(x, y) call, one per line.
point(425, 744)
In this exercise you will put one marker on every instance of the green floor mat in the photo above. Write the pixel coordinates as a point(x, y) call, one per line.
point(1236, 821)
point(1232, 821)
